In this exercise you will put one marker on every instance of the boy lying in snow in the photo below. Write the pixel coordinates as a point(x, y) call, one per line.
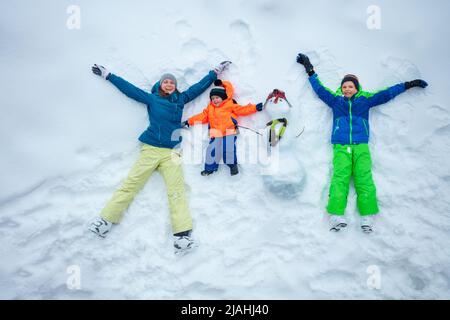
point(350, 137)
point(221, 114)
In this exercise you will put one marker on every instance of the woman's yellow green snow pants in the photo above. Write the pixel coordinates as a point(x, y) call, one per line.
point(168, 163)
point(353, 160)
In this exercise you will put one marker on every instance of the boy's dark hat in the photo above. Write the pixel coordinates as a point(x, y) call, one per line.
point(218, 90)
point(352, 78)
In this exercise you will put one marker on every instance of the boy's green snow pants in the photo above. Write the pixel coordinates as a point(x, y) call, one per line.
point(353, 160)
point(168, 163)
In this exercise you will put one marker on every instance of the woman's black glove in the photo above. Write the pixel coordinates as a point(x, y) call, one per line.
point(304, 60)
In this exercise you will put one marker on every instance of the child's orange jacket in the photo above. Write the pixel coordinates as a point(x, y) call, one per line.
point(222, 119)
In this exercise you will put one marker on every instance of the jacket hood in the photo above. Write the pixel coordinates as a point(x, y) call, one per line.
point(229, 90)
point(155, 88)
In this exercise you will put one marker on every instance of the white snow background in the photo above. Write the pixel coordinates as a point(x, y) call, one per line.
point(68, 139)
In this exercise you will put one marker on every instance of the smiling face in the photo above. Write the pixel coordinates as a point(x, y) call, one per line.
point(349, 89)
point(216, 100)
point(168, 86)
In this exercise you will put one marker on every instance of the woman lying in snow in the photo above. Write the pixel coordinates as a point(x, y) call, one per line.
point(165, 106)
point(350, 136)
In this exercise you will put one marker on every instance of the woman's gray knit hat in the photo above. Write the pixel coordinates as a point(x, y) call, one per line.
point(168, 76)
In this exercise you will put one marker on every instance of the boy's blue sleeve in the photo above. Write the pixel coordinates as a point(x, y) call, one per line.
point(198, 88)
point(326, 95)
point(386, 95)
point(130, 90)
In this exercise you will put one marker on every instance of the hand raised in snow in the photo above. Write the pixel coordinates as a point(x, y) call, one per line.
point(304, 60)
point(221, 67)
point(101, 71)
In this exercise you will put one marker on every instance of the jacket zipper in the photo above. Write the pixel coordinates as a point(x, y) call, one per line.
point(350, 111)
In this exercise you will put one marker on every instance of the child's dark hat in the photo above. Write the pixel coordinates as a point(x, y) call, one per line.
point(352, 78)
point(218, 90)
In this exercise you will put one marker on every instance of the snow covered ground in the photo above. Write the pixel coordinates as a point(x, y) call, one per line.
point(68, 139)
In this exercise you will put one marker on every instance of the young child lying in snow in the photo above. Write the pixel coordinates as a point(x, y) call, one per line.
point(221, 114)
point(350, 135)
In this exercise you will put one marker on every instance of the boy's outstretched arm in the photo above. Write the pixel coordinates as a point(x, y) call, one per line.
point(124, 86)
point(390, 93)
point(326, 95)
point(247, 110)
point(202, 117)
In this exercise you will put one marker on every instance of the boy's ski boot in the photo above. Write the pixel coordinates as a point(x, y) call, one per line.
point(337, 223)
point(100, 227)
point(367, 224)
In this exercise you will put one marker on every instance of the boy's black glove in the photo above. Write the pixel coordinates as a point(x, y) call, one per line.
point(304, 60)
point(185, 124)
point(416, 83)
point(259, 106)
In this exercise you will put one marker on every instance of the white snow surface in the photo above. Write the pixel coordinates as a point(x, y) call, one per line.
point(68, 139)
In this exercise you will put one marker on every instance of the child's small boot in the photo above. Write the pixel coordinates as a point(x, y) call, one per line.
point(206, 172)
point(234, 169)
point(337, 223)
